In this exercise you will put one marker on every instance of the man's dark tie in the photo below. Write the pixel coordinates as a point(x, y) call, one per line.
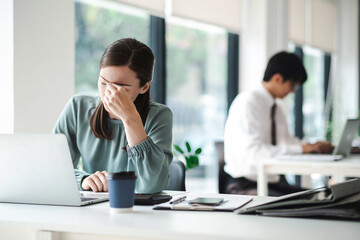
point(273, 124)
point(273, 136)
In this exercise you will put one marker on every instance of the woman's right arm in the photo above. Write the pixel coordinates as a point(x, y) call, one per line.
point(67, 125)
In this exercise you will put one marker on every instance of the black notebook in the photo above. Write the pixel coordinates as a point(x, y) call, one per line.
point(151, 199)
point(338, 201)
point(139, 199)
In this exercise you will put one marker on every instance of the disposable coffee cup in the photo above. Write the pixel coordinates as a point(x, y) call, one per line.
point(121, 191)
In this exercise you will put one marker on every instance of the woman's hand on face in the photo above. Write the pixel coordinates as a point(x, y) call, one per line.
point(118, 101)
point(96, 182)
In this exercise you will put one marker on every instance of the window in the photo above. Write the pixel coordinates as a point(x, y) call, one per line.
point(196, 91)
point(313, 102)
point(98, 24)
point(313, 106)
point(290, 100)
point(313, 90)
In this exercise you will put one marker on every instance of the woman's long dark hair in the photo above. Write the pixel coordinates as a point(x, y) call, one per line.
point(140, 59)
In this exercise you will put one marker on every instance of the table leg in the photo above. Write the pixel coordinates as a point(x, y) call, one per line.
point(262, 188)
point(47, 235)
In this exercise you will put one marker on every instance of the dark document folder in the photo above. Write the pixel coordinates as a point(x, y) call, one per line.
point(338, 201)
point(139, 199)
point(151, 199)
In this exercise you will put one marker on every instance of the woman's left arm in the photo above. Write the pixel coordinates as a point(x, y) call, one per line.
point(118, 101)
point(149, 151)
point(152, 157)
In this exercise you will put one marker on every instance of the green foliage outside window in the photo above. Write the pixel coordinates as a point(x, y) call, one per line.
point(96, 28)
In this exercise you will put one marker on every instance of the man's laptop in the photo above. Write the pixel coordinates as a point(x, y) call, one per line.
point(37, 169)
point(342, 150)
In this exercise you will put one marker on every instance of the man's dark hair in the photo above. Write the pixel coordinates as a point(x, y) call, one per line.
point(288, 65)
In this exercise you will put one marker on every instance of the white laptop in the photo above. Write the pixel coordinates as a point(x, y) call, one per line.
point(350, 132)
point(37, 169)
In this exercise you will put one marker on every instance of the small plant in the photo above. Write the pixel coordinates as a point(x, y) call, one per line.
point(191, 158)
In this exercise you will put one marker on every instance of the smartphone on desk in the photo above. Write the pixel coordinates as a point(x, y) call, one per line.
point(207, 201)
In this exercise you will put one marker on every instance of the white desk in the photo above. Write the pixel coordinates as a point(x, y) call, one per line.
point(20, 221)
point(348, 167)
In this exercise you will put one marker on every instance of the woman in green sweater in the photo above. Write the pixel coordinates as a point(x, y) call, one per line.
point(122, 129)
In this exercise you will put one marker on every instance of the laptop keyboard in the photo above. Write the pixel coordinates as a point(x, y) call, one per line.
point(310, 157)
point(87, 199)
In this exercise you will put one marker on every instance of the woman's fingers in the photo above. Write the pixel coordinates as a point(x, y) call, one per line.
point(114, 94)
point(89, 184)
point(114, 86)
point(102, 178)
point(113, 90)
point(97, 182)
point(111, 87)
point(93, 186)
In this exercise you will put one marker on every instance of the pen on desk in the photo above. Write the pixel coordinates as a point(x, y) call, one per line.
point(178, 200)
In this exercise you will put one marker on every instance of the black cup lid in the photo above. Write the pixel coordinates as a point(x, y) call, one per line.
point(122, 175)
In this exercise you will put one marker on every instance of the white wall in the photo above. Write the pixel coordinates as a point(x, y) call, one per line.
point(264, 32)
point(40, 43)
point(6, 67)
point(252, 43)
point(346, 79)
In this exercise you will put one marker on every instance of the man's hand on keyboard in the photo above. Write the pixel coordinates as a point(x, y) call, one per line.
point(318, 147)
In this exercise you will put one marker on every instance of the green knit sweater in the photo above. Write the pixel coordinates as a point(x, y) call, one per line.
point(149, 159)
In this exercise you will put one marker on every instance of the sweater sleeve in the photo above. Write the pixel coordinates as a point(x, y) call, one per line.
point(67, 124)
point(152, 157)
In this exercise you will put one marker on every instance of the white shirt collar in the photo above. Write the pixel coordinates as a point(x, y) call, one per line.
point(268, 97)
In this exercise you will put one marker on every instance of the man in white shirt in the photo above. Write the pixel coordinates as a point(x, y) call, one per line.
point(256, 128)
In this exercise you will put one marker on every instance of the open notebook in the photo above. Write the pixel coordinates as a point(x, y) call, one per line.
point(229, 203)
